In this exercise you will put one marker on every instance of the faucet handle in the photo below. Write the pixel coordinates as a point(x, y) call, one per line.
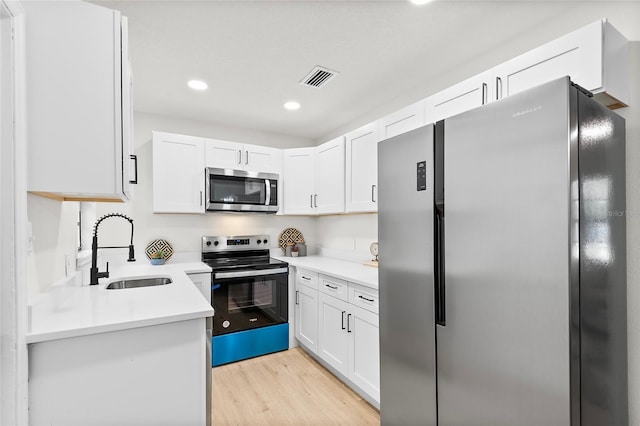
point(104, 274)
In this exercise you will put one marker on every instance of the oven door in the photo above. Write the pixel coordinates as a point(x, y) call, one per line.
point(248, 299)
point(238, 190)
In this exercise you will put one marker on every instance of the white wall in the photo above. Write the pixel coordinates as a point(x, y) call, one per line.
point(54, 236)
point(351, 235)
point(632, 117)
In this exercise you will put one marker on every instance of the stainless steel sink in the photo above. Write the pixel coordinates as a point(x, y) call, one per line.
point(138, 282)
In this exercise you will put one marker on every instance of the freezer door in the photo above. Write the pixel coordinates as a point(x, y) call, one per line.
point(405, 233)
point(504, 353)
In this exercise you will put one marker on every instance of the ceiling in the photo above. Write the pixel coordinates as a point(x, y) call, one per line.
point(252, 54)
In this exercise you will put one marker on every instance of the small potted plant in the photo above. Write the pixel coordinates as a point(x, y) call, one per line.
point(158, 258)
point(295, 250)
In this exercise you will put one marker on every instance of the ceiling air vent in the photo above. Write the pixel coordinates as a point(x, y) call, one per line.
point(319, 76)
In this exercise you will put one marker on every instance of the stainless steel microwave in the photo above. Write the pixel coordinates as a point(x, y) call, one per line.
point(241, 191)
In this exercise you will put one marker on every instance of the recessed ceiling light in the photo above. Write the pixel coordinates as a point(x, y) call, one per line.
point(197, 85)
point(420, 2)
point(292, 105)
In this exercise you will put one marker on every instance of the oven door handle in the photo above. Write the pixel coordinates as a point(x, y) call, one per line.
point(252, 273)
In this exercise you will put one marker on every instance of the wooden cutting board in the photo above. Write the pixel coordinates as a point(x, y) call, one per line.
point(371, 263)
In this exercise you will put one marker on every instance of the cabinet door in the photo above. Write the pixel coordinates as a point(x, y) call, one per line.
point(364, 351)
point(74, 102)
point(402, 121)
point(129, 161)
point(306, 317)
point(223, 154)
point(578, 55)
point(466, 95)
point(299, 180)
point(178, 173)
point(333, 346)
point(362, 169)
point(263, 159)
point(329, 195)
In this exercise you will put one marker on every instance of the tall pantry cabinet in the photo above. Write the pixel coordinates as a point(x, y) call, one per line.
point(79, 102)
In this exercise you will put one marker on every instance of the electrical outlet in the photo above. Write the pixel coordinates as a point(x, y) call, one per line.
point(69, 264)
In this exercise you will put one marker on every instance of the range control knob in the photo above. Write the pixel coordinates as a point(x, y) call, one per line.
point(208, 243)
point(265, 241)
point(215, 243)
point(259, 241)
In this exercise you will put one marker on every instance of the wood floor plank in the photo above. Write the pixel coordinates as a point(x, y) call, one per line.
point(285, 388)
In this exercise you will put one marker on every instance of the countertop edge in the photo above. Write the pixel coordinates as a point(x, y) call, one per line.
point(304, 263)
point(179, 271)
point(106, 328)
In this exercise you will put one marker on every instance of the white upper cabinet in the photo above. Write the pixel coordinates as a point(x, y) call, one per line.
point(314, 179)
point(178, 173)
point(78, 102)
point(408, 118)
point(595, 57)
point(299, 183)
point(362, 169)
point(329, 194)
point(461, 97)
point(232, 155)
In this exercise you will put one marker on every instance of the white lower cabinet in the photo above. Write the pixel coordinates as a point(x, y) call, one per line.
point(306, 309)
point(337, 322)
point(364, 350)
point(349, 342)
point(114, 378)
point(333, 345)
point(306, 316)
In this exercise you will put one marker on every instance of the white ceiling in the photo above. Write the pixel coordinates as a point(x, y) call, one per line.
point(253, 54)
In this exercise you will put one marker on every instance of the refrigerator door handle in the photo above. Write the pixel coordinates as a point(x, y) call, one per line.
point(439, 295)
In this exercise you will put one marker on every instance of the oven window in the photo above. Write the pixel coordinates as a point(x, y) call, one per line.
point(235, 190)
point(254, 294)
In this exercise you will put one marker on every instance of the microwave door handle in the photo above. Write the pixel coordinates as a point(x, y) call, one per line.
point(268, 192)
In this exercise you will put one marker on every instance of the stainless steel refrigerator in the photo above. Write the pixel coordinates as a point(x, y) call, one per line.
point(503, 266)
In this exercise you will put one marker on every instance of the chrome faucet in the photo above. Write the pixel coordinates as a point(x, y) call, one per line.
point(95, 274)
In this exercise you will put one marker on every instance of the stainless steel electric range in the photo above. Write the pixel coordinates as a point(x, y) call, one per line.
point(249, 292)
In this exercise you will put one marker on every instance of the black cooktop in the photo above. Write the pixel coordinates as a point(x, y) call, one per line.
point(220, 262)
point(238, 252)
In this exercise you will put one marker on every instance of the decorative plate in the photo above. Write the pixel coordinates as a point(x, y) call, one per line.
point(156, 245)
point(289, 235)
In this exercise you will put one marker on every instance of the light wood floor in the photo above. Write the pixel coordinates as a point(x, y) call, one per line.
point(285, 388)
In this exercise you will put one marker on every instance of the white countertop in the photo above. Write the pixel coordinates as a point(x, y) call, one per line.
point(349, 271)
point(71, 311)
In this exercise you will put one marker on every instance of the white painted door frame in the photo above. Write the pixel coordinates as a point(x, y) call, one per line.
point(13, 219)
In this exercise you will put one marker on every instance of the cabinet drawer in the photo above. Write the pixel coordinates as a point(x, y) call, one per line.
point(364, 297)
point(334, 286)
point(307, 278)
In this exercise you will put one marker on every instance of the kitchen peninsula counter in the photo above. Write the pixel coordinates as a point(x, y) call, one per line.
point(65, 311)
